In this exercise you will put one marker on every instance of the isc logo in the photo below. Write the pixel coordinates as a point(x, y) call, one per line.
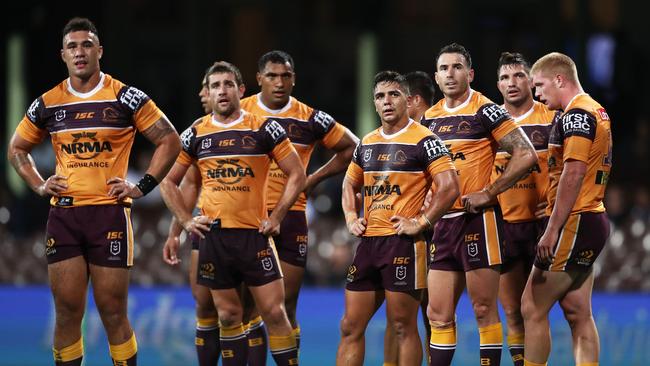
point(401, 260)
point(115, 235)
point(228, 142)
point(84, 115)
point(445, 128)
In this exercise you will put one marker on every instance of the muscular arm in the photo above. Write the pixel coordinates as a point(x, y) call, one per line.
point(523, 158)
point(190, 187)
point(173, 197)
point(337, 164)
point(168, 146)
point(293, 168)
point(447, 190)
point(21, 159)
point(567, 193)
point(350, 205)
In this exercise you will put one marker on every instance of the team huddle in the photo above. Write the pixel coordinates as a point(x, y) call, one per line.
point(503, 200)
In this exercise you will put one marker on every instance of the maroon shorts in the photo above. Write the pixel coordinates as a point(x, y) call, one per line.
point(520, 242)
point(581, 240)
point(102, 234)
point(394, 263)
point(229, 256)
point(468, 241)
point(292, 241)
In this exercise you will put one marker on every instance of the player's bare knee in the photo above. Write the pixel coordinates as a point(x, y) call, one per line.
point(230, 317)
point(350, 328)
point(513, 314)
point(274, 316)
point(529, 311)
point(434, 314)
point(482, 310)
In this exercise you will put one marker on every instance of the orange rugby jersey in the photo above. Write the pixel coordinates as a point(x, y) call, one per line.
point(92, 134)
point(581, 133)
point(519, 202)
point(396, 172)
point(305, 126)
point(234, 161)
point(470, 131)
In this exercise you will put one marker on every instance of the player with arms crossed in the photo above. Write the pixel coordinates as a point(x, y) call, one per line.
point(233, 150)
point(579, 163)
point(91, 119)
point(466, 247)
point(394, 166)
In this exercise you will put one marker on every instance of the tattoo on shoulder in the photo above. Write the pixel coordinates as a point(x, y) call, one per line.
point(158, 130)
point(19, 159)
point(515, 140)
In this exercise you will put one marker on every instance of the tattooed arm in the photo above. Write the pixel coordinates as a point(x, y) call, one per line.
point(168, 146)
point(523, 158)
point(20, 158)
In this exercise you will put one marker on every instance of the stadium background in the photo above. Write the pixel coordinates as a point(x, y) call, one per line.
point(163, 48)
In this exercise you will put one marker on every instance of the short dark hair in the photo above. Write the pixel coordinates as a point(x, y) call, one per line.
point(274, 57)
point(512, 58)
point(391, 77)
point(420, 83)
point(455, 48)
point(222, 67)
point(80, 24)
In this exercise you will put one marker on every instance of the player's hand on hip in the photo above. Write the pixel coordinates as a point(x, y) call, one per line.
point(53, 186)
point(357, 226)
point(475, 201)
point(122, 188)
point(269, 227)
point(545, 247)
point(198, 225)
point(540, 210)
point(405, 226)
point(170, 250)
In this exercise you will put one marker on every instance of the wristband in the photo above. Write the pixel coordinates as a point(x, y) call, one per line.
point(147, 184)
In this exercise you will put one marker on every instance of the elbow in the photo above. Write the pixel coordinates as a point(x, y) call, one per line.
point(299, 178)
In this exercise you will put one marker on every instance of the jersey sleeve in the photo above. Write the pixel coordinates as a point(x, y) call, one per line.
point(273, 138)
point(355, 171)
point(496, 120)
point(326, 129)
point(31, 127)
point(435, 155)
point(187, 155)
point(144, 110)
point(578, 129)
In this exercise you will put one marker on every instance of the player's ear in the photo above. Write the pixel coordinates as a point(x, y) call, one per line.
point(258, 77)
point(242, 90)
point(471, 75)
point(100, 52)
